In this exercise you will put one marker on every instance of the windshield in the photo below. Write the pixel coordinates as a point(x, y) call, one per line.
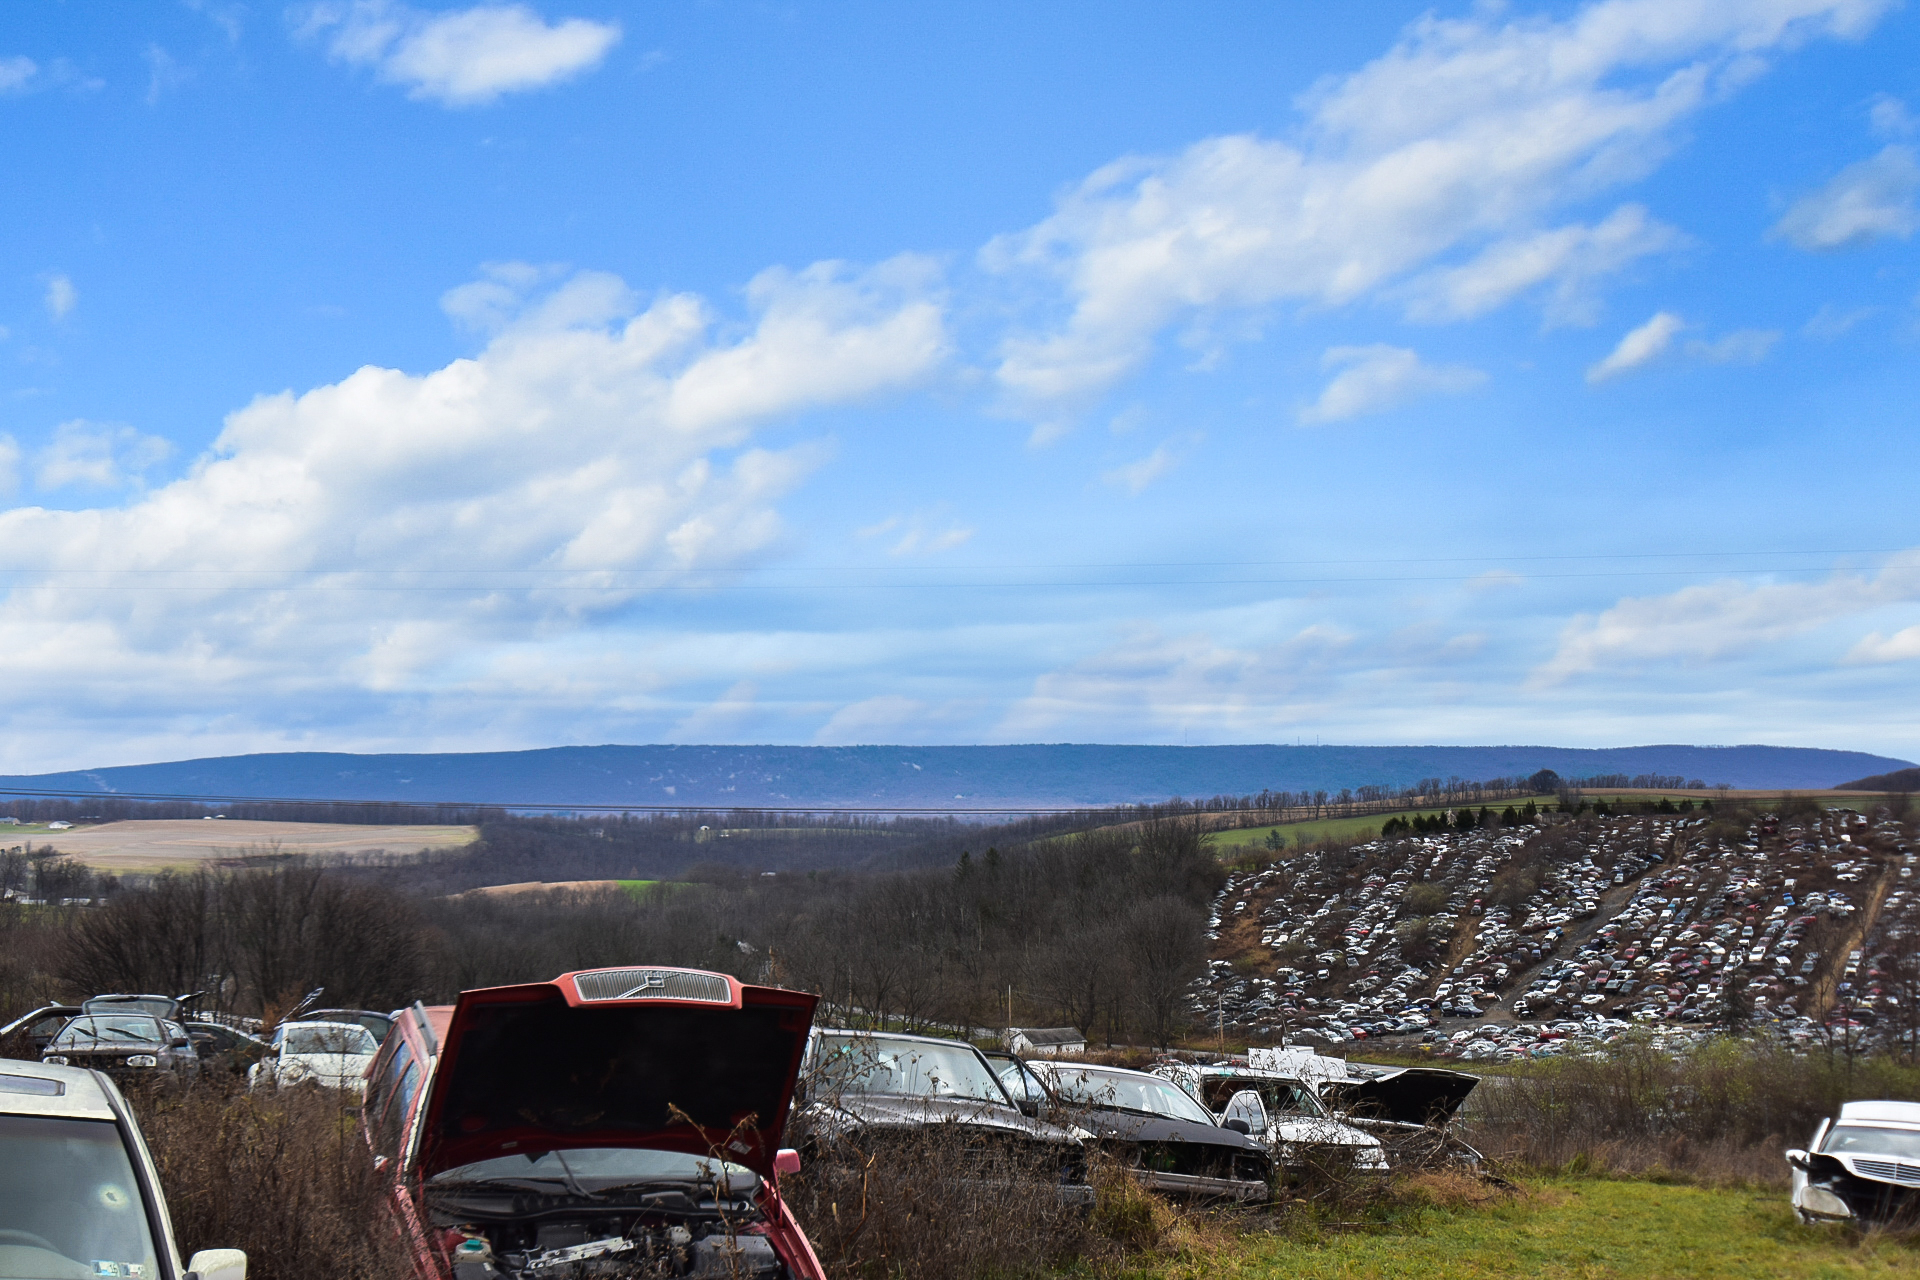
point(113, 1029)
point(69, 1205)
point(592, 1168)
point(1862, 1140)
point(1282, 1097)
point(926, 1069)
point(1093, 1087)
point(327, 1038)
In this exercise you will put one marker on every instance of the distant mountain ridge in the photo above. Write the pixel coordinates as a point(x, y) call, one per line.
point(921, 777)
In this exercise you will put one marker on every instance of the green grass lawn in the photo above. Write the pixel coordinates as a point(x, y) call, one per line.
point(1572, 1228)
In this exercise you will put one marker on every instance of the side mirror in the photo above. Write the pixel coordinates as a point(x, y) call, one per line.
point(786, 1160)
point(218, 1264)
point(1028, 1107)
point(1798, 1159)
point(1239, 1126)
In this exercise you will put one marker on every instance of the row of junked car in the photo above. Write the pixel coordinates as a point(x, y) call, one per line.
point(632, 1122)
point(161, 1038)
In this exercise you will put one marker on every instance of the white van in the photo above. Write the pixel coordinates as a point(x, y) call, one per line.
point(79, 1197)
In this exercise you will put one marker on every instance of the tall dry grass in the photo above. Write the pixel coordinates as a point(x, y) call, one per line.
point(1722, 1112)
point(284, 1175)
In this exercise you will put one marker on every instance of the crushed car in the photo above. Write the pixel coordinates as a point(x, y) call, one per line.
point(127, 1046)
point(1862, 1168)
point(1300, 1134)
point(333, 1055)
point(613, 1122)
point(1162, 1135)
point(868, 1088)
point(172, 1008)
point(79, 1194)
point(1410, 1109)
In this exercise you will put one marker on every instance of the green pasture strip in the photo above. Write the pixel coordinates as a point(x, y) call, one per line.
point(644, 889)
point(1582, 1228)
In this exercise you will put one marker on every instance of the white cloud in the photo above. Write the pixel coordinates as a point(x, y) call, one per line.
point(1462, 141)
point(886, 718)
point(723, 719)
point(164, 73)
point(97, 455)
point(462, 57)
point(398, 531)
point(61, 297)
point(1639, 347)
point(1866, 201)
point(9, 464)
point(1831, 322)
point(1742, 346)
point(17, 74)
point(1148, 682)
point(1374, 379)
point(1134, 477)
point(1570, 259)
point(921, 533)
point(1875, 648)
point(1722, 619)
point(1890, 118)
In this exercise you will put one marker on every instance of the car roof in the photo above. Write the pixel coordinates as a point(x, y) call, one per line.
point(893, 1035)
point(44, 1089)
point(1880, 1112)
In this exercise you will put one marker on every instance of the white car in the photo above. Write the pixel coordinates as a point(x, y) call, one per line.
point(1283, 1112)
point(79, 1194)
point(1863, 1168)
point(334, 1055)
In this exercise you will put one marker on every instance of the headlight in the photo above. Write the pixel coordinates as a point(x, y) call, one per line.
point(143, 1060)
point(1815, 1199)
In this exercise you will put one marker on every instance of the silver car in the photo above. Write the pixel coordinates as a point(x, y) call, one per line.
point(1863, 1167)
point(79, 1196)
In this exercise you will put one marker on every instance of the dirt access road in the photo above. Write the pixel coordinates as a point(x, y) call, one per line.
point(191, 842)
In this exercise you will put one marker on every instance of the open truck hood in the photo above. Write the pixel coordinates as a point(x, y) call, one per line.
point(664, 1059)
point(1410, 1095)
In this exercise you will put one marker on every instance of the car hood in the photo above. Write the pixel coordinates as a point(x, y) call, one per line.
point(1314, 1129)
point(664, 1059)
point(1412, 1095)
point(912, 1111)
point(1128, 1126)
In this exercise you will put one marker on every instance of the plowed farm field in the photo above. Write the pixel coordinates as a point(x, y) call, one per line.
point(186, 843)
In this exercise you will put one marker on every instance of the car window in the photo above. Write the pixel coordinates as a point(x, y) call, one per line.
point(69, 1202)
point(393, 1122)
point(330, 1037)
point(1093, 1087)
point(1280, 1097)
point(1858, 1139)
point(927, 1069)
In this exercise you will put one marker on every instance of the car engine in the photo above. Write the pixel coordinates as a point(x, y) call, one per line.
point(606, 1248)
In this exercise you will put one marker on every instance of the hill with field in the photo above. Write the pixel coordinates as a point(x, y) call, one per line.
point(972, 777)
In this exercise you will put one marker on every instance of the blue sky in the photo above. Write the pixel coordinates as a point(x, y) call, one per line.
point(390, 377)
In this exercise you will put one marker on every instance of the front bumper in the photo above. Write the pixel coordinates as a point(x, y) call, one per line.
point(1193, 1184)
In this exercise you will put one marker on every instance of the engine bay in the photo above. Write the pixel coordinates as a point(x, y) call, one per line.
point(612, 1246)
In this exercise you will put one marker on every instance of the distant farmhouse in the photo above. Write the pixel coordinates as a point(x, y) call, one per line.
point(1045, 1042)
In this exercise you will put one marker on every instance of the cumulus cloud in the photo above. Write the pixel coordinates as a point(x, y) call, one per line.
point(461, 57)
point(1374, 379)
point(1438, 170)
point(1742, 346)
point(394, 528)
point(61, 297)
point(1866, 201)
point(1718, 620)
point(1639, 347)
point(97, 455)
point(1875, 648)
